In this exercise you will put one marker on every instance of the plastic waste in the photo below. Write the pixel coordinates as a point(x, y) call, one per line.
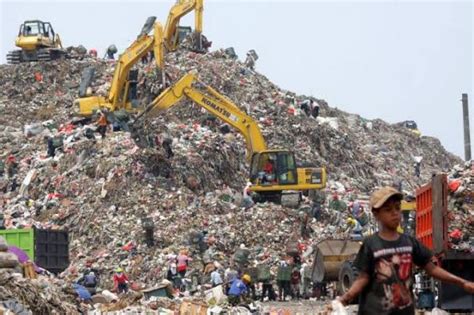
point(438, 311)
point(338, 308)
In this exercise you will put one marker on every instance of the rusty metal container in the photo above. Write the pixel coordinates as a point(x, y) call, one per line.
point(329, 256)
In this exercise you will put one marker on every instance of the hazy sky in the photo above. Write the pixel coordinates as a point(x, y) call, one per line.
point(395, 60)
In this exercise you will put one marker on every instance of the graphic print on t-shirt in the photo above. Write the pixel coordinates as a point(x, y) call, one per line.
point(393, 271)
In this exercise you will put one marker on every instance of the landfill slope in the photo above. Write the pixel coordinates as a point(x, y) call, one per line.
point(100, 190)
point(355, 150)
point(40, 296)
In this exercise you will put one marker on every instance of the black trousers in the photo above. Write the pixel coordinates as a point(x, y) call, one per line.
point(305, 108)
point(102, 130)
point(284, 289)
point(267, 288)
point(234, 300)
point(252, 290)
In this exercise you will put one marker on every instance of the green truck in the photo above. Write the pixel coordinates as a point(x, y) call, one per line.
point(49, 249)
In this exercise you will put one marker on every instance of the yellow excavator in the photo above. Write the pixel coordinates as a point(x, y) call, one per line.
point(161, 40)
point(118, 97)
point(174, 34)
point(38, 42)
point(282, 182)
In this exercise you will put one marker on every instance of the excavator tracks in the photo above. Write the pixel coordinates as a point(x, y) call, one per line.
point(14, 57)
point(50, 54)
point(43, 55)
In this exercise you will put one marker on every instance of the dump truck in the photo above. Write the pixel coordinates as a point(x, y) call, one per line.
point(49, 249)
point(333, 258)
point(432, 231)
point(333, 262)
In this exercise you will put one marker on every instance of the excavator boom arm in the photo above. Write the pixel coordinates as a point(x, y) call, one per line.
point(215, 103)
point(180, 9)
point(132, 55)
point(198, 16)
point(290, 177)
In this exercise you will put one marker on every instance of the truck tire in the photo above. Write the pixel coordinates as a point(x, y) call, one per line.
point(347, 275)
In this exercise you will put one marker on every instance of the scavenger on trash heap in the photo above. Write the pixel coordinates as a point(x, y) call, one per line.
point(120, 281)
point(194, 177)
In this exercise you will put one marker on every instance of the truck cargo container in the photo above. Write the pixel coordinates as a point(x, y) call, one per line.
point(49, 249)
point(432, 231)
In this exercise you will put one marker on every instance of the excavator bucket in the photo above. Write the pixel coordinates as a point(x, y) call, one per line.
point(148, 26)
point(140, 136)
point(291, 200)
point(86, 79)
point(198, 42)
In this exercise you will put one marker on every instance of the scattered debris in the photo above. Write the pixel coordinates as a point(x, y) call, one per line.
point(104, 191)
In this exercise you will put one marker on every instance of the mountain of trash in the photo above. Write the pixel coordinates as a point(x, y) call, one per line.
point(358, 152)
point(103, 190)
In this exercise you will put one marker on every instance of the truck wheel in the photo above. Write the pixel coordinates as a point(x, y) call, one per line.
point(347, 275)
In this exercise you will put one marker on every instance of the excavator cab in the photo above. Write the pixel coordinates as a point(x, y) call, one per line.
point(182, 32)
point(275, 177)
point(35, 34)
point(274, 173)
point(38, 42)
point(31, 28)
point(199, 42)
point(273, 168)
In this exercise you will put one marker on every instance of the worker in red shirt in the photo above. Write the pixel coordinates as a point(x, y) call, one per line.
point(269, 170)
point(93, 53)
point(11, 166)
point(120, 281)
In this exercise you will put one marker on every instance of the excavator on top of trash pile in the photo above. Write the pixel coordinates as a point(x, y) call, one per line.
point(174, 34)
point(119, 97)
point(119, 94)
point(38, 42)
point(274, 174)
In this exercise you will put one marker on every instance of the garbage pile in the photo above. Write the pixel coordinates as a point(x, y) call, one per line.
point(42, 91)
point(24, 296)
point(355, 150)
point(8, 260)
point(35, 296)
point(108, 193)
point(461, 208)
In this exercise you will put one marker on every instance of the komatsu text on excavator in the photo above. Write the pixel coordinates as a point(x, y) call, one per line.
point(273, 172)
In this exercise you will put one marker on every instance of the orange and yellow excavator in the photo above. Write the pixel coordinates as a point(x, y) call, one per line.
point(273, 172)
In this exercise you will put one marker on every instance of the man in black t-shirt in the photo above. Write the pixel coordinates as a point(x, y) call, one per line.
point(385, 263)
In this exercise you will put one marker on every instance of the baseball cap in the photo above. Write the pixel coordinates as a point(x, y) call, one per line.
point(380, 196)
